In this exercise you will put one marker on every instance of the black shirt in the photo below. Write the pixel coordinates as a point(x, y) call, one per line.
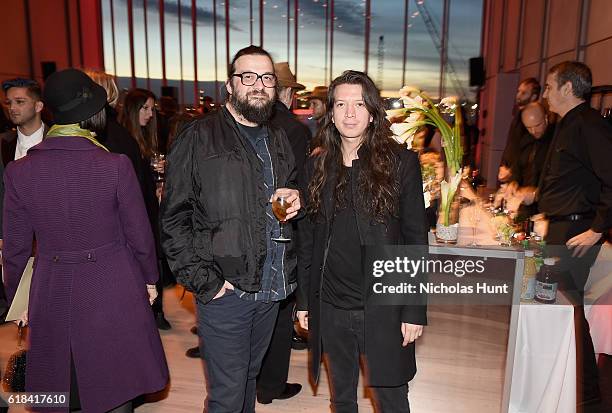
point(532, 157)
point(517, 137)
point(577, 176)
point(297, 133)
point(342, 281)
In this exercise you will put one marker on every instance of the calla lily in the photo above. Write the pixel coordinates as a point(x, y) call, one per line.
point(450, 101)
point(413, 103)
point(406, 137)
point(401, 128)
point(395, 113)
point(408, 91)
point(426, 197)
point(414, 117)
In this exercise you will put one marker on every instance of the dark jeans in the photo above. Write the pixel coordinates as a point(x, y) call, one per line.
point(234, 336)
point(574, 274)
point(342, 336)
point(275, 367)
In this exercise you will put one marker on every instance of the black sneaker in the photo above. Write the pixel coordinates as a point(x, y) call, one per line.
point(291, 389)
point(193, 352)
point(161, 321)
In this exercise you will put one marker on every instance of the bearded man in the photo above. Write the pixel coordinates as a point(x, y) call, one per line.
point(218, 228)
point(528, 91)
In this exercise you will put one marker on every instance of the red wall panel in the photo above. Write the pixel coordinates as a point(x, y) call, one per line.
point(511, 34)
point(14, 54)
point(564, 23)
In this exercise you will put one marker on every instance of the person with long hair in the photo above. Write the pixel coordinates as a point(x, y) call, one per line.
point(362, 189)
point(91, 334)
point(115, 137)
point(138, 117)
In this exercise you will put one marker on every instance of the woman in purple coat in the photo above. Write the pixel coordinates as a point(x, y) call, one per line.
point(92, 332)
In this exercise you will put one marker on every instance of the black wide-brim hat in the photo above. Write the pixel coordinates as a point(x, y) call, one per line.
point(72, 96)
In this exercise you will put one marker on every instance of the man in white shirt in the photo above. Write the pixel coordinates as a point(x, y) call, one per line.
point(24, 105)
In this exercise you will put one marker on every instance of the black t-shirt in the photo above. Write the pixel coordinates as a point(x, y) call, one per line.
point(342, 279)
point(252, 132)
point(531, 159)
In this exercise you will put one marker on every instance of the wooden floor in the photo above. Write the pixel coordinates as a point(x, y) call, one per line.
point(460, 360)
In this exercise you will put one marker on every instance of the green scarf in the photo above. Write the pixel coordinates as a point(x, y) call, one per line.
point(74, 129)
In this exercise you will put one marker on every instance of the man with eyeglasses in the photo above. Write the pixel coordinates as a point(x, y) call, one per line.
point(218, 228)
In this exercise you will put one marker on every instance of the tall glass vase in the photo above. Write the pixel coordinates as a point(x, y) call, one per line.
point(447, 225)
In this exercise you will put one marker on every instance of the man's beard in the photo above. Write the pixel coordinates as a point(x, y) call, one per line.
point(20, 120)
point(523, 102)
point(252, 113)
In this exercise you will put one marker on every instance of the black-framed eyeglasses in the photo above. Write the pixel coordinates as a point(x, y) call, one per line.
point(250, 78)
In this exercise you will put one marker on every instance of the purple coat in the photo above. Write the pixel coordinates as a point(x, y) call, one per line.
point(95, 254)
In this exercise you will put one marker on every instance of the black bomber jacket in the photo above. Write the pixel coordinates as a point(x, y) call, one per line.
point(213, 223)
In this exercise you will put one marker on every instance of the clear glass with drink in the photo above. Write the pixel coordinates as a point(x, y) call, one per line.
point(279, 208)
point(158, 164)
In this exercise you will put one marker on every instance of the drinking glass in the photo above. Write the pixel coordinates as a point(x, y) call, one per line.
point(279, 208)
point(474, 215)
point(157, 164)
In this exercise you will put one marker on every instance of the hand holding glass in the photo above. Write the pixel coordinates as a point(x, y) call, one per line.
point(279, 208)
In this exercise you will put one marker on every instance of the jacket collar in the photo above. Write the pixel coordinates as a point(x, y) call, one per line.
point(575, 111)
point(8, 144)
point(280, 107)
point(66, 143)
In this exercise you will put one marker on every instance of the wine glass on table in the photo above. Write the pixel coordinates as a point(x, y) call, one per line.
point(279, 208)
point(474, 216)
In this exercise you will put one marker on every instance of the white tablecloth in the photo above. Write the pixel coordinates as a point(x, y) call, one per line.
point(544, 371)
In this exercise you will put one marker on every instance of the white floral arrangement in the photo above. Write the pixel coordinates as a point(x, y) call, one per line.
point(418, 111)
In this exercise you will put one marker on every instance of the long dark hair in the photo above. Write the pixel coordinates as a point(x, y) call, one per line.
point(96, 123)
point(378, 187)
point(145, 136)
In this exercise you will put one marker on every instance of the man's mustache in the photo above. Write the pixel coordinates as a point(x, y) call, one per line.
point(257, 93)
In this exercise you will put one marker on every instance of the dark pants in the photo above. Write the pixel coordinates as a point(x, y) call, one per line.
point(342, 336)
point(574, 275)
point(234, 337)
point(275, 367)
point(4, 307)
point(158, 303)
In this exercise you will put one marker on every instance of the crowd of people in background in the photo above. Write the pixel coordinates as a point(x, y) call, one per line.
point(191, 202)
